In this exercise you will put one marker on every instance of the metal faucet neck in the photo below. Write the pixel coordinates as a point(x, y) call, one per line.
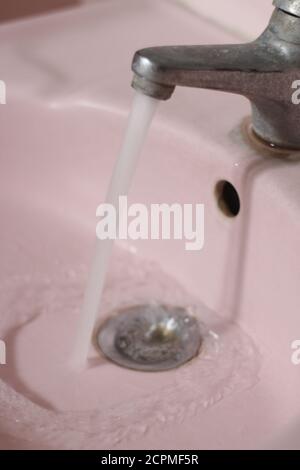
point(265, 71)
point(289, 6)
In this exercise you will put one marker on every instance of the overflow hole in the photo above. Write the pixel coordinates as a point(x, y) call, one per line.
point(228, 199)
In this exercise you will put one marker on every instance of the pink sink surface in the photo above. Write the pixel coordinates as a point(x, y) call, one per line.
point(68, 78)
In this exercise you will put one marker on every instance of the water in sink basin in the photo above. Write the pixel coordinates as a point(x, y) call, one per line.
point(78, 408)
point(106, 404)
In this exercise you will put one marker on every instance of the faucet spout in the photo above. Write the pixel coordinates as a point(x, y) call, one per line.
point(223, 68)
point(263, 71)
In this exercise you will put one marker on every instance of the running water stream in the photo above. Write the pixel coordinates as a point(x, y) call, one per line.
point(140, 118)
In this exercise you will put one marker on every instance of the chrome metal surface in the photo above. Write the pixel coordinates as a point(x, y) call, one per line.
point(290, 6)
point(150, 337)
point(263, 71)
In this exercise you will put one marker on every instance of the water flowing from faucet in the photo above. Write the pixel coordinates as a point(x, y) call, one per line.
point(140, 118)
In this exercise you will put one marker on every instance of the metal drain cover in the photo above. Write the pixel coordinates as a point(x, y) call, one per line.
point(150, 337)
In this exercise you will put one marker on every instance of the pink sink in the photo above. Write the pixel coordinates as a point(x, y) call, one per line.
point(68, 97)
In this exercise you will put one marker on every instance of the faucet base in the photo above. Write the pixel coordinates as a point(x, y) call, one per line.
point(264, 147)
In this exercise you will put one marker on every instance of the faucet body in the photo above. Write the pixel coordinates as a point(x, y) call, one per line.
point(265, 71)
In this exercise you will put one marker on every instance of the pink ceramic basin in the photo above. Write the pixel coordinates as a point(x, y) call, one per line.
point(68, 97)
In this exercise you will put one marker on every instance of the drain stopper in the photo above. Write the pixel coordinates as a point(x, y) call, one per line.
point(150, 337)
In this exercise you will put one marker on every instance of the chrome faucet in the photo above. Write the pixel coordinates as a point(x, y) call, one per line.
point(265, 71)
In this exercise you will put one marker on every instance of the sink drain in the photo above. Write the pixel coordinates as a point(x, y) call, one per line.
point(150, 337)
